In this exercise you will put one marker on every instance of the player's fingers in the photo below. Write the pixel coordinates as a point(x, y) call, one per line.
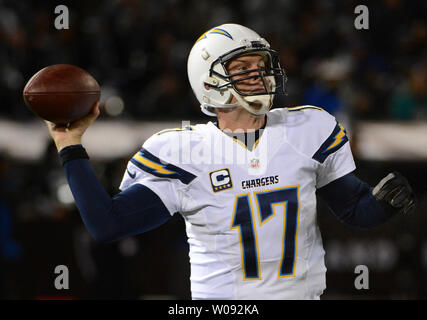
point(390, 195)
point(55, 127)
point(95, 109)
point(94, 114)
point(86, 121)
point(409, 206)
point(399, 197)
point(49, 124)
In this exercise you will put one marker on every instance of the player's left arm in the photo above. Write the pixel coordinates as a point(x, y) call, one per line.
point(353, 201)
point(357, 204)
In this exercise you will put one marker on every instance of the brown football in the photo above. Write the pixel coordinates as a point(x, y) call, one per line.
point(61, 93)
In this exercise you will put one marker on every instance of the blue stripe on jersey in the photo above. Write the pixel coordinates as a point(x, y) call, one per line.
point(153, 165)
point(333, 143)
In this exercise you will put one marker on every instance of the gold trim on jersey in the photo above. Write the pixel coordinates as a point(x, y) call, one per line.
point(185, 128)
point(244, 146)
point(338, 138)
point(301, 108)
point(152, 165)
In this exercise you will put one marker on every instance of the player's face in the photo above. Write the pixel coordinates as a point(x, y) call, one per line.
point(244, 64)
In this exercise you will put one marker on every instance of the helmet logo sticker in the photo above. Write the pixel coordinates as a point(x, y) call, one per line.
point(217, 31)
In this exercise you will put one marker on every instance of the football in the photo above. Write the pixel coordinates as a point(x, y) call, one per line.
point(61, 93)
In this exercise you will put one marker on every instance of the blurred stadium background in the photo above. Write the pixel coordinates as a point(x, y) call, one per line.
point(373, 81)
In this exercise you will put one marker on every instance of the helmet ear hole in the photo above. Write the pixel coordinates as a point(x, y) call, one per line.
point(231, 100)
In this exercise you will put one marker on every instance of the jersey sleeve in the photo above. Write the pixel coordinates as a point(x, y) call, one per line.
point(338, 164)
point(160, 175)
point(334, 155)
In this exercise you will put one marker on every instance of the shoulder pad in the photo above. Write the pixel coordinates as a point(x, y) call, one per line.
point(167, 141)
point(314, 131)
point(185, 128)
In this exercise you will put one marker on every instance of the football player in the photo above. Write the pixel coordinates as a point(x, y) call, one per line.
point(245, 184)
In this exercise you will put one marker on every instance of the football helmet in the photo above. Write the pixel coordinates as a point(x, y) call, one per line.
point(212, 84)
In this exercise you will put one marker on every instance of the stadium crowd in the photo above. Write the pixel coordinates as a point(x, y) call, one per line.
point(139, 49)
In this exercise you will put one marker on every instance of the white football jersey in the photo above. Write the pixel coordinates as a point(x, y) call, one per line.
point(250, 214)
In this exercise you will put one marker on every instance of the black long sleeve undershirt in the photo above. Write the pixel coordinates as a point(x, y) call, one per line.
point(352, 202)
point(131, 212)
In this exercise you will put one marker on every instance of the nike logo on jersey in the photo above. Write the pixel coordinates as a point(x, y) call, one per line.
point(132, 175)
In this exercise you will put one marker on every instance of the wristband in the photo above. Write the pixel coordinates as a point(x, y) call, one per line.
point(72, 152)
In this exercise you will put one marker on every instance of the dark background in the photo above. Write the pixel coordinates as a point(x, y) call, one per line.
point(137, 50)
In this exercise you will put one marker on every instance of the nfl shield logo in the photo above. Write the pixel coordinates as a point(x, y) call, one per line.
point(255, 163)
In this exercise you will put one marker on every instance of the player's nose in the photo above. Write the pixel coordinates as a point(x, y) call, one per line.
point(255, 75)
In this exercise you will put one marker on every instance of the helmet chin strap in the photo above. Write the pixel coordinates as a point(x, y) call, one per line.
point(205, 108)
point(257, 105)
point(263, 102)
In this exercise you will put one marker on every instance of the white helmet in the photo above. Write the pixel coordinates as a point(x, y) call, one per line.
point(206, 65)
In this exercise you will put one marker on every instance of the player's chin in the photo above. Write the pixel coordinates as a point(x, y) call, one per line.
point(257, 105)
